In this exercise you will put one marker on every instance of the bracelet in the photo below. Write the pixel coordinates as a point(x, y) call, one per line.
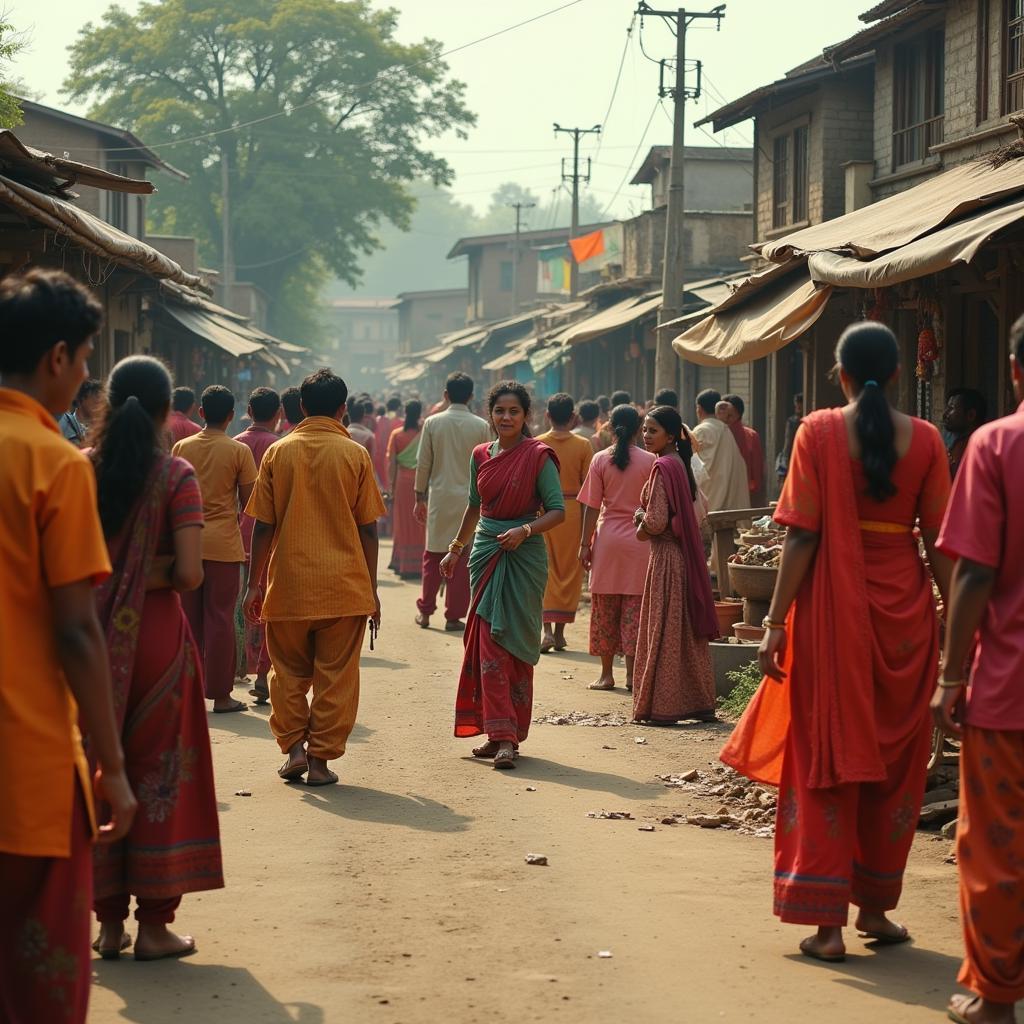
point(529, 530)
point(766, 623)
point(456, 547)
point(951, 684)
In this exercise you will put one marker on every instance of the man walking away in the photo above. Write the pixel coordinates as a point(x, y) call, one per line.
point(53, 660)
point(792, 425)
point(183, 408)
point(605, 438)
point(727, 486)
point(226, 472)
point(667, 396)
point(442, 490)
point(291, 403)
point(753, 450)
point(966, 410)
point(983, 530)
point(264, 412)
point(588, 412)
point(316, 506)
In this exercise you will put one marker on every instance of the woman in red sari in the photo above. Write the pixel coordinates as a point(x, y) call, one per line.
point(409, 535)
point(850, 655)
point(151, 512)
point(511, 481)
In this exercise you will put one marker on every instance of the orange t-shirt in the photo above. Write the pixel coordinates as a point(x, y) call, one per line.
point(50, 536)
point(316, 488)
point(222, 465)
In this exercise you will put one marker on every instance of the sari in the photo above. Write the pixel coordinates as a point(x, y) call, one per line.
point(502, 639)
point(173, 846)
point(410, 537)
point(846, 735)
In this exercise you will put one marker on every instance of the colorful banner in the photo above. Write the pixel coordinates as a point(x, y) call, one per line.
point(598, 249)
point(553, 270)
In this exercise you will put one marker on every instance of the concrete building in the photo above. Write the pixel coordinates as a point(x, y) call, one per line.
point(424, 315)
point(717, 177)
point(363, 340)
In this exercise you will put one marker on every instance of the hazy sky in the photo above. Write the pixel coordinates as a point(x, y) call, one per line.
point(561, 68)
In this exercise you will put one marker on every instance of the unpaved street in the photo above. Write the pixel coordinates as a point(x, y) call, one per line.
point(402, 895)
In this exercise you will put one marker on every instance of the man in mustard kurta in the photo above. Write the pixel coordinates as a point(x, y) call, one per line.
point(316, 505)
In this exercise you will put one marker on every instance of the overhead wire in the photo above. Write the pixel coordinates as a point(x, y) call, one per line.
point(615, 87)
point(632, 161)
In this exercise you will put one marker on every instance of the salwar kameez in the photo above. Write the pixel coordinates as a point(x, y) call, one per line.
point(409, 535)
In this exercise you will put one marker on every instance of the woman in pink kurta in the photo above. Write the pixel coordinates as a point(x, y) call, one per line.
point(617, 561)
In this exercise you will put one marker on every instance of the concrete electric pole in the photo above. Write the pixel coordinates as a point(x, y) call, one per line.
point(673, 273)
point(575, 177)
point(518, 207)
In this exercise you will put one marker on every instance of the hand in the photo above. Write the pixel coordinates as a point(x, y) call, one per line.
point(112, 789)
point(252, 604)
point(419, 512)
point(376, 609)
point(947, 709)
point(586, 556)
point(448, 564)
point(638, 517)
point(511, 539)
point(772, 653)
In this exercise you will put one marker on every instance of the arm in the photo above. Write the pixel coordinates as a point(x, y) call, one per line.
point(940, 564)
point(424, 467)
point(392, 469)
point(469, 520)
point(184, 569)
point(798, 551)
point(244, 493)
point(368, 542)
point(259, 552)
point(83, 656)
point(587, 539)
point(971, 589)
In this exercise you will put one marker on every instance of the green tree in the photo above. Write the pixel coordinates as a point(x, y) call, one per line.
point(11, 44)
point(311, 111)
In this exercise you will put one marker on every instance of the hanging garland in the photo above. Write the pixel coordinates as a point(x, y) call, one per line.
point(930, 331)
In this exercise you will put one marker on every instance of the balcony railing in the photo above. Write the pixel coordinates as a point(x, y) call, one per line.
point(910, 145)
point(1014, 93)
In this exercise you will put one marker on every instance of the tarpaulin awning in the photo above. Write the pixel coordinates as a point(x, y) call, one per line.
point(206, 327)
point(779, 315)
point(410, 373)
point(542, 358)
point(618, 315)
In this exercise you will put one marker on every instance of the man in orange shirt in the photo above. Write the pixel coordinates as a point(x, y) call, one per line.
point(53, 659)
point(316, 506)
point(226, 471)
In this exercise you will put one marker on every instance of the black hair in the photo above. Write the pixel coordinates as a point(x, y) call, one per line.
point(394, 403)
point(182, 399)
point(514, 388)
point(291, 402)
point(667, 396)
point(323, 393)
point(589, 410)
point(560, 409)
point(413, 411)
point(737, 403)
point(603, 403)
point(265, 403)
point(1017, 341)
point(89, 387)
point(972, 401)
point(368, 406)
point(128, 443)
point(799, 397)
point(625, 423)
point(708, 399)
point(355, 409)
point(869, 355)
point(672, 423)
point(217, 404)
point(39, 309)
point(381, 410)
point(620, 398)
point(459, 387)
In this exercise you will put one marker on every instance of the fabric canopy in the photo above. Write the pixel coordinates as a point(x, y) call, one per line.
point(618, 315)
point(780, 314)
point(206, 327)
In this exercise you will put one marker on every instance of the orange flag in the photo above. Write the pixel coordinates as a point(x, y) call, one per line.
point(587, 246)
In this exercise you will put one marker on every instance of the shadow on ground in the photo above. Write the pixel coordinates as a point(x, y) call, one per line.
point(540, 769)
point(360, 803)
point(173, 991)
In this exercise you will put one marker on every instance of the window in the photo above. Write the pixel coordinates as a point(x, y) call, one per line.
point(982, 64)
point(1013, 61)
point(790, 178)
point(918, 98)
point(506, 275)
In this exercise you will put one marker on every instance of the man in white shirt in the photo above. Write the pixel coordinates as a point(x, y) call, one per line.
point(727, 485)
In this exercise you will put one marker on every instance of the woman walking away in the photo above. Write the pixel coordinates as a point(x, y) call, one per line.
point(841, 722)
point(152, 515)
point(410, 536)
point(673, 678)
point(511, 481)
point(616, 560)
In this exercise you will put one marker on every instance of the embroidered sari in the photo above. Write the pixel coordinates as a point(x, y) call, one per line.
point(410, 536)
point(173, 846)
point(502, 639)
point(846, 735)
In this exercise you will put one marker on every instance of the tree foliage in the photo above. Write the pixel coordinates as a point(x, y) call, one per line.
point(11, 44)
point(317, 115)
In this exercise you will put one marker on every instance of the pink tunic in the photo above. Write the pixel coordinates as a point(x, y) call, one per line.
point(619, 559)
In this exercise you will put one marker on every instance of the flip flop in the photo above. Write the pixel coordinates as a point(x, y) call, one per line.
point(881, 939)
point(262, 696)
point(296, 771)
point(957, 1016)
point(505, 759)
point(237, 706)
point(596, 686)
point(176, 954)
point(329, 781)
point(106, 953)
point(825, 958)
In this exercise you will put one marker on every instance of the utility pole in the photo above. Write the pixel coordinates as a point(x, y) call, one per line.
point(575, 177)
point(673, 272)
point(518, 207)
point(227, 269)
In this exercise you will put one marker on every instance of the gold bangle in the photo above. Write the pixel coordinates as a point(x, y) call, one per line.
point(456, 547)
point(952, 684)
point(529, 530)
point(766, 623)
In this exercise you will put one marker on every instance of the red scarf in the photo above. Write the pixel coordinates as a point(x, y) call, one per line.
point(507, 481)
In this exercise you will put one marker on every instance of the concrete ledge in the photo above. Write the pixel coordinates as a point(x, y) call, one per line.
point(728, 658)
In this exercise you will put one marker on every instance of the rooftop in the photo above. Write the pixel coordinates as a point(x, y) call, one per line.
point(658, 155)
point(464, 245)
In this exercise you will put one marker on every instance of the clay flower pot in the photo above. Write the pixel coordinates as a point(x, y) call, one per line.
point(729, 612)
point(747, 633)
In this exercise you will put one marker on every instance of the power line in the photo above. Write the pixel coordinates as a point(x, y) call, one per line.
point(615, 87)
point(362, 85)
point(632, 160)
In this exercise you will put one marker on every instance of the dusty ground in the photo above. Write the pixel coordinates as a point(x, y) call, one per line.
point(402, 896)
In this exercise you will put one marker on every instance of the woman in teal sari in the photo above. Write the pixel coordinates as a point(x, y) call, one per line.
point(514, 496)
point(410, 536)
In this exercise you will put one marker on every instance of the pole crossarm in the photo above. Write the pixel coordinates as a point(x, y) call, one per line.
point(575, 178)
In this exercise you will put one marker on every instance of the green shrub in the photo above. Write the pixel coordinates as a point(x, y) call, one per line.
point(745, 682)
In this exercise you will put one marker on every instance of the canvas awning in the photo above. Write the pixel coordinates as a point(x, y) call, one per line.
point(542, 358)
point(615, 316)
point(198, 322)
point(410, 373)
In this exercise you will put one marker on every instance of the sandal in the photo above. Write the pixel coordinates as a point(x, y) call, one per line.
point(295, 771)
point(231, 708)
point(505, 759)
point(175, 954)
point(886, 938)
point(262, 696)
point(600, 686)
point(108, 952)
point(488, 750)
point(808, 950)
point(330, 780)
point(958, 1013)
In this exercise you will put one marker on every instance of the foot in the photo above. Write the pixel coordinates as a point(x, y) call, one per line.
point(158, 942)
point(875, 925)
point(826, 945)
point(972, 1009)
point(506, 756)
point(455, 626)
point(112, 940)
point(488, 749)
point(547, 645)
point(319, 774)
point(260, 690)
point(560, 644)
point(423, 621)
point(225, 705)
point(603, 682)
point(297, 764)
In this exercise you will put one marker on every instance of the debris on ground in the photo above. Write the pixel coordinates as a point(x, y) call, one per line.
point(243, 792)
point(645, 828)
point(611, 815)
point(948, 831)
point(531, 789)
point(598, 719)
point(640, 740)
point(537, 859)
point(745, 806)
point(604, 954)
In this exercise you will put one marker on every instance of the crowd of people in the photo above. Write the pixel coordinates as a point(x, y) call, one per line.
point(149, 571)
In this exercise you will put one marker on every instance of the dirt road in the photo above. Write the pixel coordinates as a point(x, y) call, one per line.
point(402, 896)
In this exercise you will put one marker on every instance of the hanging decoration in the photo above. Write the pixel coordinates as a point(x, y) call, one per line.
point(880, 305)
point(930, 332)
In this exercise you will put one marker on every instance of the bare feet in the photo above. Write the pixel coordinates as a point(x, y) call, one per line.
point(297, 764)
point(158, 942)
point(560, 644)
point(112, 940)
point(603, 682)
point(874, 925)
point(547, 645)
point(972, 1009)
point(319, 773)
point(827, 945)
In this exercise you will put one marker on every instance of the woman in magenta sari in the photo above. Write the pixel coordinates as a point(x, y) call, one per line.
point(512, 481)
point(672, 677)
point(151, 512)
point(410, 536)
